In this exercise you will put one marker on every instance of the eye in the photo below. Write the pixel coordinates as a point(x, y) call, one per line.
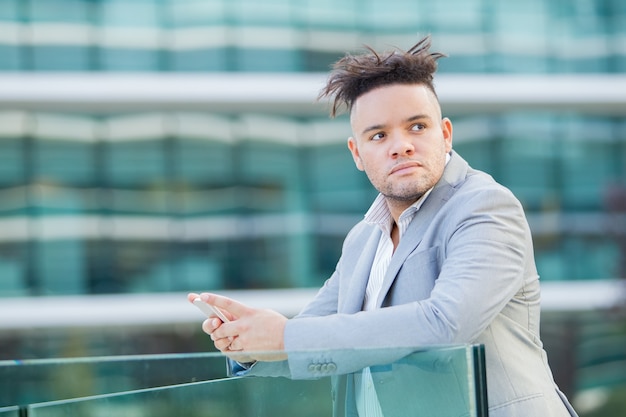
point(418, 126)
point(378, 136)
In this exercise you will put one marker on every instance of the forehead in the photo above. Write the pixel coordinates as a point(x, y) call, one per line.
point(401, 100)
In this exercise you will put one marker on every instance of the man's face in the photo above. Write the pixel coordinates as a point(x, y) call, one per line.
point(400, 140)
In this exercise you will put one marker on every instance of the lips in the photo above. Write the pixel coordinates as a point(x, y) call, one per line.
point(404, 165)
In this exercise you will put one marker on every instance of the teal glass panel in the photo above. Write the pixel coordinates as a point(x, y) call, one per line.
point(39, 380)
point(155, 200)
point(136, 265)
point(336, 185)
point(137, 168)
point(205, 169)
point(446, 381)
point(376, 17)
point(138, 13)
point(61, 40)
point(329, 14)
point(74, 11)
point(257, 262)
point(61, 58)
point(133, 36)
point(12, 170)
point(601, 354)
point(66, 162)
point(60, 266)
point(591, 258)
point(531, 177)
point(527, 162)
point(131, 162)
point(581, 39)
point(449, 17)
point(270, 176)
point(10, 57)
point(10, 411)
point(464, 63)
point(479, 149)
point(178, 268)
point(64, 167)
point(221, 398)
point(551, 261)
point(530, 174)
point(269, 12)
point(199, 40)
point(198, 59)
point(195, 13)
point(266, 59)
point(518, 36)
point(64, 150)
point(111, 58)
point(590, 165)
point(10, 10)
point(616, 23)
point(60, 199)
point(319, 61)
point(13, 269)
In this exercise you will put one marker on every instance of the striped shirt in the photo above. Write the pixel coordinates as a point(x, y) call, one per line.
point(379, 214)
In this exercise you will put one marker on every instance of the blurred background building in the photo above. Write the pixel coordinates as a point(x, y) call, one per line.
point(164, 146)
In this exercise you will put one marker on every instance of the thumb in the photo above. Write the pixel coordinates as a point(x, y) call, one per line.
point(229, 305)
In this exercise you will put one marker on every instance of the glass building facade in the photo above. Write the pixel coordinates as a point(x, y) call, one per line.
point(119, 202)
point(152, 195)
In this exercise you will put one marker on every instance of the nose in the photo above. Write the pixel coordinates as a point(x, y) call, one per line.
point(401, 145)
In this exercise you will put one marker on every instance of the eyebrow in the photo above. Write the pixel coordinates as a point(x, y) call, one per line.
point(408, 120)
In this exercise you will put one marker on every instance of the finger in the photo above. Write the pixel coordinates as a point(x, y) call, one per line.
point(192, 296)
point(222, 345)
point(235, 308)
point(227, 330)
point(210, 325)
point(235, 345)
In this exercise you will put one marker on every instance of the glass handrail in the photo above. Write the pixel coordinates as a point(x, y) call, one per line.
point(13, 411)
point(39, 380)
point(239, 396)
point(442, 381)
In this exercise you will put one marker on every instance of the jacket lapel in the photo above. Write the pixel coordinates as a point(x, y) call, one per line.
point(363, 264)
point(454, 173)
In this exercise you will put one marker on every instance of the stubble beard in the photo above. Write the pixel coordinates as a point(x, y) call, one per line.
point(408, 191)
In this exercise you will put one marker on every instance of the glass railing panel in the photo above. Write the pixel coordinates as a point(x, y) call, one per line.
point(439, 381)
point(40, 380)
point(239, 396)
point(13, 411)
point(442, 382)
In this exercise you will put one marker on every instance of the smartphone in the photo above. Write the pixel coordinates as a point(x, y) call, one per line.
point(210, 310)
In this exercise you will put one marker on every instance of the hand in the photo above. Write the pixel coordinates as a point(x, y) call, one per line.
point(211, 324)
point(252, 334)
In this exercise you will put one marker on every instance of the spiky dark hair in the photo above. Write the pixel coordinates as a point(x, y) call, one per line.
point(355, 75)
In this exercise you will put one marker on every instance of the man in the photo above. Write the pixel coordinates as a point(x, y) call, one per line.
point(443, 256)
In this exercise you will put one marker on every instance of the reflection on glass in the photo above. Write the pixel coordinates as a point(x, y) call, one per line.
point(40, 380)
point(444, 381)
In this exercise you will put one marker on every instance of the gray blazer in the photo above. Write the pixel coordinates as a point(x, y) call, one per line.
point(463, 272)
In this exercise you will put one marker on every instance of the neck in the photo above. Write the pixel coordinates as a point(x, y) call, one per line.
point(397, 207)
point(395, 236)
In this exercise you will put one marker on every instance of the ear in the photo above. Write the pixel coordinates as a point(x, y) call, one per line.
point(354, 150)
point(446, 129)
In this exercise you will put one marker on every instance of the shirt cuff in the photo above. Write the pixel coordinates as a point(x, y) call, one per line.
point(238, 368)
